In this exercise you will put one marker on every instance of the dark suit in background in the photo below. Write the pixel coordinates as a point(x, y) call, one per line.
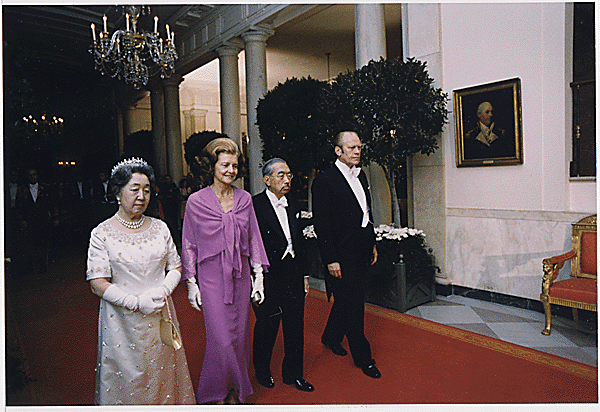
point(34, 216)
point(341, 238)
point(284, 291)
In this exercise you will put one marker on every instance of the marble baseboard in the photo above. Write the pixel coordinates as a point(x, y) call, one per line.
point(585, 317)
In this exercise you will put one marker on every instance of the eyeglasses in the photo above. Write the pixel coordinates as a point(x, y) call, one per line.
point(281, 175)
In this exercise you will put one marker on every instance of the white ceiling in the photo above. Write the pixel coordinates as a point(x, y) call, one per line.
point(299, 48)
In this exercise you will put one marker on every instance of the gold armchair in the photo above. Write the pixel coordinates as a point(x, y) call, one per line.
point(578, 292)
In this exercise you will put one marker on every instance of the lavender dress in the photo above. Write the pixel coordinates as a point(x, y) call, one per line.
point(216, 247)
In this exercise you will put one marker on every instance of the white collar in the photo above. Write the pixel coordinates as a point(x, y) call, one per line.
point(347, 171)
point(273, 198)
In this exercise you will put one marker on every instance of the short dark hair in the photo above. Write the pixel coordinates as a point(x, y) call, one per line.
point(122, 175)
point(211, 152)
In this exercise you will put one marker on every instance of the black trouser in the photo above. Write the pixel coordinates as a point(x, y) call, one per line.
point(284, 304)
point(347, 315)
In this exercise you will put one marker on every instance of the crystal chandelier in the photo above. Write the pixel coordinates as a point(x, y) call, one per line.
point(125, 53)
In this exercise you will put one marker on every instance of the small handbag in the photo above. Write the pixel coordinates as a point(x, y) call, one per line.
point(168, 332)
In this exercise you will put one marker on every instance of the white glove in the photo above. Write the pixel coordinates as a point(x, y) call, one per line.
point(171, 281)
point(116, 296)
point(194, 294)
point(258, 287)
point(152, 300)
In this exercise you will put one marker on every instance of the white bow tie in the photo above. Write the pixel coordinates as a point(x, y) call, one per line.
point(282, 202)
point(355, 171)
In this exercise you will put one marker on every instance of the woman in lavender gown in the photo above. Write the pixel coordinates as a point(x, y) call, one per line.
point(221, 242)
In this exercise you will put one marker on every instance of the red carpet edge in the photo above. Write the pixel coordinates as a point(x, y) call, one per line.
point(565, 365)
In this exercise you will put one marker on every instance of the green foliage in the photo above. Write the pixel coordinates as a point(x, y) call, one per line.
point(291, 125)
point(393, 106)
point(194, 145)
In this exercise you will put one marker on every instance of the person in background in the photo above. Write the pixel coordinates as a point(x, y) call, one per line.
point(221, 242)
point(34, 207)
point(104, 204)
point(133, 267)
point(285, 284)
point(346, 239)
point(81, 199)
point(11, 192)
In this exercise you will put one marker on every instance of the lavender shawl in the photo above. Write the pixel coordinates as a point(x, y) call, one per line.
point(234, 235)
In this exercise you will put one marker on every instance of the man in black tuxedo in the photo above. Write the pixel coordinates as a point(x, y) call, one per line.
point(34, 206)
point(104, 202)
point(285, 283)
point(344, 226)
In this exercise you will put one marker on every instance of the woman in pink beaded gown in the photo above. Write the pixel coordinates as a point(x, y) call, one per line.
point(221, 242)
point(133, 266)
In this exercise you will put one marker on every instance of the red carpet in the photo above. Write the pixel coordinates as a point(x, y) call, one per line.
point(420, 361)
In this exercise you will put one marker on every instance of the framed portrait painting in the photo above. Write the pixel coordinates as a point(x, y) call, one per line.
point(488, 124)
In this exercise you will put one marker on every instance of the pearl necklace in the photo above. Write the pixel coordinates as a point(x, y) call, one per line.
point(131, 225)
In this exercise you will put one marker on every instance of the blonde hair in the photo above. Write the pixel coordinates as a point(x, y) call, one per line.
point(211, 153)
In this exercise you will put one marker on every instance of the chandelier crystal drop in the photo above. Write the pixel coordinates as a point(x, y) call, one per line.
point(125, 53)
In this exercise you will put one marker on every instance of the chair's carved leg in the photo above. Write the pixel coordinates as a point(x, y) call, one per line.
point(575, 315)
point(548, 314)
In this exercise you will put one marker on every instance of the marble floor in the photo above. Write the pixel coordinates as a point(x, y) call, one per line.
point(519, 326)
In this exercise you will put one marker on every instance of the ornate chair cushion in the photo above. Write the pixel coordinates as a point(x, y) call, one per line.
point(588, 253)
point(576, 289)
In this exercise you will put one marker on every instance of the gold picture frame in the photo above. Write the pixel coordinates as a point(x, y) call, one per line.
point(488, 124)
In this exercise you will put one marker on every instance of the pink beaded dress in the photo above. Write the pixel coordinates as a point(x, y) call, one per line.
point(133, 366)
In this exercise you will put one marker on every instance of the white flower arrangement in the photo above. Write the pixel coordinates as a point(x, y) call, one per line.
point(393, 233)
point(309, 232)
point(382, 232)
point(305, 215)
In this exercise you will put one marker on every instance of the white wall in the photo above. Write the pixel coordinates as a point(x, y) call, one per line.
point(502, 221)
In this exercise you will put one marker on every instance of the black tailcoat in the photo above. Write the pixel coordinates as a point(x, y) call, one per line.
point(338, 217)
point(284, 289)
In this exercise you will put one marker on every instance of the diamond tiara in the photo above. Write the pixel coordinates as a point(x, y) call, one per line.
point(128, 162)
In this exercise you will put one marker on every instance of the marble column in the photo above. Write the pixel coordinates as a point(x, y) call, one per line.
point(173, 127)
point(230, 91)
point(370, 45)
point(255, 43)
point(120, 135)
point(159, 141)
point(128, 120)
point(421, 25)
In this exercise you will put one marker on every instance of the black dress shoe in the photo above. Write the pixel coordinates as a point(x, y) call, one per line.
point(300, 383)
point(266, 381)
point(336, 348)
point(371, 371)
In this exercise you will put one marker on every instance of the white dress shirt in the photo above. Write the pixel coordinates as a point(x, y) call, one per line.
point(351, 176)
point(33, 189)
point(279, 205)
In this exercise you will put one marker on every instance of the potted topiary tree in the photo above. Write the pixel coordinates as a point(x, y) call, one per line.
point(192, 149)
point(291, 127)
